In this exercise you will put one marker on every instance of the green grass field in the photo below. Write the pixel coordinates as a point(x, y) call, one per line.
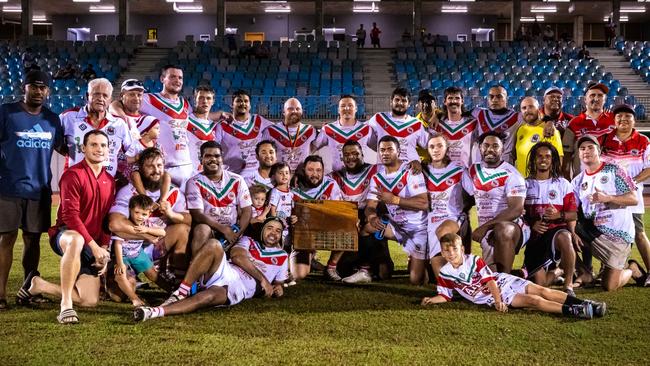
point(322, 323)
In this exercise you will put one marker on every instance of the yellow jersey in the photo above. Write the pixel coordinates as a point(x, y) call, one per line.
point(527, 137)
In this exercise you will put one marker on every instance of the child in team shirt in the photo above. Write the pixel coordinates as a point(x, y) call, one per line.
point(473, 279)
point(281, 198)
point(258, 196)
point(130, 254)
point(149, 127)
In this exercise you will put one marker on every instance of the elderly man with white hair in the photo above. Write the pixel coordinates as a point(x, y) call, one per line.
point(293, 138)
point(80, 120)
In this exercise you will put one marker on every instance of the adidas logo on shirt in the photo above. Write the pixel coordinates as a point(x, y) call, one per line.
point(36, 138)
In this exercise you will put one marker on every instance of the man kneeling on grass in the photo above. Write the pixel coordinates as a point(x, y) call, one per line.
point(468, 274)
point(254, 269)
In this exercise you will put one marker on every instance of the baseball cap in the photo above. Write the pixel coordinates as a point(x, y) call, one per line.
point(588, 138)
point(595, 85)
point(553, 89)
point(37, 77)
point(132, 84)
point(623, 108)
point(425, 95)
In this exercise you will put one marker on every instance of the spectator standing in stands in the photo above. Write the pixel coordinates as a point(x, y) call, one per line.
point(374, 36)
point(549, 35)
point(610, 33)
point(29, 134)
point(361, 37)
point(584, 53)
point(89, 73)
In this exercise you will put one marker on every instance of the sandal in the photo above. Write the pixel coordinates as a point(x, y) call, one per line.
point(68, 316)
point(638, 273)
point(24, 297)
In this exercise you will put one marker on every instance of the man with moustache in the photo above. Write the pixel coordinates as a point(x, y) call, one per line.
point(240, 137)
point(530, 133)
point(29, 134)
point(293, 138)
point(218, 200)
point(552, 109)
point(347, 128)
point(265, 152)
point(200, 127)
point(95, 116)
point(255, 269)
point(172, 213)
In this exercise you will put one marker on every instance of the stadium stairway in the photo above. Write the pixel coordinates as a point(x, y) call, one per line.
point(377, 70)
point(142, 64)
point(620, 69)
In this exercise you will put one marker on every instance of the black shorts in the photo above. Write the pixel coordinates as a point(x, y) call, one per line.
point(540, 251)
point(639, 227)
point(33, 216)
point(87, 259)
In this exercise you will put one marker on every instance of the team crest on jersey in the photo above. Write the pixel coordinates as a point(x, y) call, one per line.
point(165, 109)
point(274, 260)
point(604, 179)
point(634, 152)
point(110, 131)
point(535, 138)
point(552, 194)
point(231, 196)
point(83, 126)
point(584, 186)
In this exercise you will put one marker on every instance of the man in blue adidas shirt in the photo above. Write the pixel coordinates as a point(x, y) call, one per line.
point(29, 134)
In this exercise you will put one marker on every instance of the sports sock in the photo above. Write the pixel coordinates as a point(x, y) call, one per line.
point(184, 289)
point(570, 300)
point(331, 264)
point(157, 312)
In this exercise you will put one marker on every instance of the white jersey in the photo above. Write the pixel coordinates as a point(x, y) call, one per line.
point(175, 198)
point(76, 124)
point(334, 135)
point(609, 219)
point(130, 248)
point(460, 137)
point(354, 187)
point(283, 203)
point(491, 188)
point(469, 279)
point(132, 122)
point(200, 131)
point(254, 177)
point(404, 184)
point(408, 130)
point(173, 117)
point(218, 200)
point(294, 143)
point(445, 192)
point(326, 190)
point(541, 194)
point(507, 123)
point(238, 140)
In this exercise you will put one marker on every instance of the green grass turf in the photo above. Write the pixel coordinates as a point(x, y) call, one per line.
point(323, 323)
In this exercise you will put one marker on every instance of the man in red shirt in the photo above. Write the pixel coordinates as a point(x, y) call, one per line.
point(79, 235)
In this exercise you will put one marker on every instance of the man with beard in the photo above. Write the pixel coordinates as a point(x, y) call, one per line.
point(240, 137)
point(499, 191)
point(405, 197)
point(218, 200)
point(354, 181)
point(94, 116)
point(409, 131)
point(266, 157)
point(255, 269)
point(594, 121)
point(29, 134)
point(293, 138)
point(172, 213)
point(347, 128)
point(457, 126)
point(552, 109)
point(530, 133)
point(79, 235)
point(313, 185)
point(199, 125)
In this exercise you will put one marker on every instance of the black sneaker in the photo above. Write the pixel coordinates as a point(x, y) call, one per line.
point(600, 308)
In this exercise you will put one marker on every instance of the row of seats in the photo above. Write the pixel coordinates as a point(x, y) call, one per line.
point(638, 54)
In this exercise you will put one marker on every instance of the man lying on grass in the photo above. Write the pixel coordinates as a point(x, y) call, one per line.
point(468, 274)
point(254, 269)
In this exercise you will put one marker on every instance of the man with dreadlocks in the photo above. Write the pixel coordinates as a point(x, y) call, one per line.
point(551, 213)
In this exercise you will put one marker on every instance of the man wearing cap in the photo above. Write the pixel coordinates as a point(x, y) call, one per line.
point(29, 134)
point(95, 116)
point(552, 109)
point(254, 269)
point(530, 133)
point(593, 121)
point(629, 149)
point(605, 194)
point(131, 94)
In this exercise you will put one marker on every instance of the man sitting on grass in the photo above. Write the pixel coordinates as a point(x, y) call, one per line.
point(254, 269)
point(473, 279)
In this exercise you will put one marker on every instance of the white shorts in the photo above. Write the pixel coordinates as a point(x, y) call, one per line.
point(228, 275)
point(434, 242)
point(510, 286)
point(415, 244)
point(487, 250)
point(180, 175)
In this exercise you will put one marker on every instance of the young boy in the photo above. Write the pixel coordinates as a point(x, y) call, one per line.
point(468, 274)
point(258, 195)
point(131, 253)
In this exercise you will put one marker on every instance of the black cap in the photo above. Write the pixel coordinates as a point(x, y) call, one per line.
point(588, 138)
point(425, 95)
point(623, 108)
point(37, 77)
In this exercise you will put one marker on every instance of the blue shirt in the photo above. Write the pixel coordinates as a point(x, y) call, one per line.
point(27, 142)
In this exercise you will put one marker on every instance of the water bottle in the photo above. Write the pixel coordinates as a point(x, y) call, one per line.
point(379, 234)
point(224, 243)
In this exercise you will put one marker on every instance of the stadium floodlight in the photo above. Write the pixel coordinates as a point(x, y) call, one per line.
point(102, 9)
point(42, 23)
point(39, 18)
point(454, 9)
point(461, 1)
point(366, 9)
point(188, 8)
point(180, 1)
point(622, 18)
point(543, 9)
point(277, 10)
point(557, 1)
point(273, 2)
point(538, 18)
point(366, 1)
point(12, 9)
point(86, 1)
point(633, 9)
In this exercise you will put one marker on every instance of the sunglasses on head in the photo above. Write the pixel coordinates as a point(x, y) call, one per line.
point(131, 83)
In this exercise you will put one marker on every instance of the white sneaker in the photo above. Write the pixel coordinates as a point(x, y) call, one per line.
point(142, 313)
point(362, 276)
point(174, 297)
point(331, 274)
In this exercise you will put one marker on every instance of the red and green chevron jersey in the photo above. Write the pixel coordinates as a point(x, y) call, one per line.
point(408, 130)
point(239, 139)
point(326, 190)
point(469, 279)
point(507, 123)
point(173, 116)
point(334, 135)
point(200, 130)
point(293, 143)
point(460, 137)
point(220, 200)
point(491, 188)
point(445, 192)
point(354, 187)
point(273, 262)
